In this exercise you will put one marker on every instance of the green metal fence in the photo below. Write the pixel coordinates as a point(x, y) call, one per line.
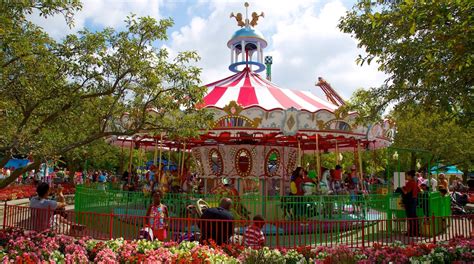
point(323, 207)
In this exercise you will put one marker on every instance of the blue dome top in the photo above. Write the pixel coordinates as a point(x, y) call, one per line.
point(247, 33)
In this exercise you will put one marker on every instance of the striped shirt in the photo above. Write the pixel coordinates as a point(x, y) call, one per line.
point(253, 237)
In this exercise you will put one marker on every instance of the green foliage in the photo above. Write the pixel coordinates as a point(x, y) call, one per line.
point(60, 96)
point(438, 133)
point(426, 49)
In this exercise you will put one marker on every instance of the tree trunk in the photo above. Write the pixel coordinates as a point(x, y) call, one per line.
point(72, 171)
point(18, 172)
point(413, 161)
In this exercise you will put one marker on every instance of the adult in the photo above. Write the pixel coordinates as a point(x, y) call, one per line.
point(102, 177)
point(443, 182)
point(410, 200)
point(431, 182)
point(297, 180)
point(296, 204)
point(43, 208)
point(217, 223)
point(458, 186)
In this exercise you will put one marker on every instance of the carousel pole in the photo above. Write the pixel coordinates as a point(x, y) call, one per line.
point(122, 159)
point(169, 158)
point(130, 161)
point(299, 153)
point(182, 160)
point(178, 167)
point(140, 159)
point(159, 163)
point(155, 153)
point(318, 158)
point(337, 153)
point(361, 177)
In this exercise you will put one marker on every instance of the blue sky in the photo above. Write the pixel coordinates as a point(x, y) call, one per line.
point(302, 35)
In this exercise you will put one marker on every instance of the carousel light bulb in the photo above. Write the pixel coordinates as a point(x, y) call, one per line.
point(395, 155)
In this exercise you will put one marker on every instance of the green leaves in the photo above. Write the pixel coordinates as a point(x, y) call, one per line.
point(61, 96)
point(439, 133)
point(425, 48)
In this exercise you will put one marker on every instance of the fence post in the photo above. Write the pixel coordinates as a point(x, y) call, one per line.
point(433, 224)
point(111, 222)
point(4, 214)
point(363, 233)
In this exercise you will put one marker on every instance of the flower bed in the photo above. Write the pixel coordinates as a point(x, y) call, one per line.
point(27, 191)
point(19, 247)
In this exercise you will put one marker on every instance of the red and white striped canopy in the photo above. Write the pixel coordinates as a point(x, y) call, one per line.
point(250, 89)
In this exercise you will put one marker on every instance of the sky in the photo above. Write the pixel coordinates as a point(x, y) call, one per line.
point(302, 37)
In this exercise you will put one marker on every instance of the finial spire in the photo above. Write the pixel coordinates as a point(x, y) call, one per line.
point(240, 22)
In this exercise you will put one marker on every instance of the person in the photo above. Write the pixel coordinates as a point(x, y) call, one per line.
point(297, 180)
point(431, 183)
point(458, 186)
point(102, 177)
point(410, 195)
point(40, 216)
point(336, 179)
point(253, 236)
point(419, 178)
point(217, 223)
point(157, 214)
point(424, 197)
point(95, 176)
point(443, 183)
point(354, 176)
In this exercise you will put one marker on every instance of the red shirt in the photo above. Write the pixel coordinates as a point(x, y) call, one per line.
point(412, 187)
point(337, 175)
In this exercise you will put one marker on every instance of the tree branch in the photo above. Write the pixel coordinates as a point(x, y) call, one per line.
point(16, 173)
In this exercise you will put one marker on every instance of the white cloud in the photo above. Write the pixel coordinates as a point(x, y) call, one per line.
point(104, 13)
point(303, 37)
point(305, 44)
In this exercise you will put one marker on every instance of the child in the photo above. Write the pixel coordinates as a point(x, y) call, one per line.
point(253, 236)
point(157, 214)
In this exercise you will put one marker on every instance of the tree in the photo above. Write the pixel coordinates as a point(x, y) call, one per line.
point(60, 96)
point(438, 133)
point(426, 49)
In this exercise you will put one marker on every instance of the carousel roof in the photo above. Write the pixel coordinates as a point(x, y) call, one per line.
point(248, 88)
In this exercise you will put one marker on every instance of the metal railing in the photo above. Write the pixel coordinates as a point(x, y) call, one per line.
point(329, 207)
point(278, 233)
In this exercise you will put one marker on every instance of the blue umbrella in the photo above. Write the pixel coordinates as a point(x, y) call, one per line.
point(446, 170)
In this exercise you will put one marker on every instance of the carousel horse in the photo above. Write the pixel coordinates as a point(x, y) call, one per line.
point(324, 182)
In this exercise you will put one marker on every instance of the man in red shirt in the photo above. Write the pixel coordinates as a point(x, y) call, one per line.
point(410, 200)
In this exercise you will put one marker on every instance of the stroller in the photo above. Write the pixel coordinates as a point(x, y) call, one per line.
point(458, 203)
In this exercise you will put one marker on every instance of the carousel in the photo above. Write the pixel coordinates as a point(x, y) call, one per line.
point(259, 135)
point(260, 130)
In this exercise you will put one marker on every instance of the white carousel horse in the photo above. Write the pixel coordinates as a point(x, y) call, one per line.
point(324, 182)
